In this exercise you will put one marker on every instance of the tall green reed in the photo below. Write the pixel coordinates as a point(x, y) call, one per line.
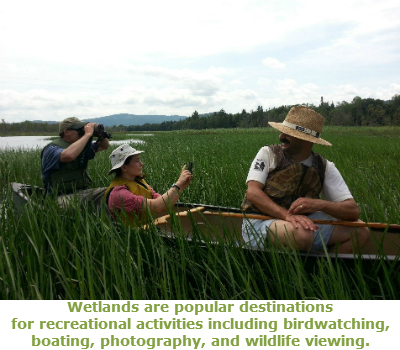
point(50, 254)
point(88, 257)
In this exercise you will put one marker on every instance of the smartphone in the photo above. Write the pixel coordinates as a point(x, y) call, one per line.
point(190, 167)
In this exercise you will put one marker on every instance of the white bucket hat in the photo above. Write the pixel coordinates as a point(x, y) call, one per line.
point(119, 155)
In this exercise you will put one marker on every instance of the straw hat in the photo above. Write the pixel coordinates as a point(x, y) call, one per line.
point(303, 123)
point(119, 155)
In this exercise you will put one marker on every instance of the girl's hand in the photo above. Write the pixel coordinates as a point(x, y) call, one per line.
point(184, 179)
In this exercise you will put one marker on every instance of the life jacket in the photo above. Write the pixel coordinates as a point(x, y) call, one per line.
point(291, 180)
point(137, 187)
point(72, 175)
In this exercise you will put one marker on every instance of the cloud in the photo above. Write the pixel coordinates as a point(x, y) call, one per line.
point(273, 63)
point(173, 98)
point(91, 59)
point(348, 91)
point(203, 83)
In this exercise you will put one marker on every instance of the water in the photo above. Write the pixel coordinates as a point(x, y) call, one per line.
point(140, 135)
point(23, 142)
point(119, 142)
point(29, 142)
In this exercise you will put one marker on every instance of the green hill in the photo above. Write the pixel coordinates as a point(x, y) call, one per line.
point(133, 119)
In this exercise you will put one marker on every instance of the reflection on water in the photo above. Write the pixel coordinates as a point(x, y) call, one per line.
point(23, 141)
point(140, 135)
point(29, 142)
point(119, 142)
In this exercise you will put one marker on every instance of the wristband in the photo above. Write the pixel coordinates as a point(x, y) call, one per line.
point(176, 186)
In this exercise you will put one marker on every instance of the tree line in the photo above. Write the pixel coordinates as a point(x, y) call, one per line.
point(358, 112)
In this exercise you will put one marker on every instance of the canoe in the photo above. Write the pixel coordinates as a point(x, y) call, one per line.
point(218, 224)
point(215, 222)
point(22, 194)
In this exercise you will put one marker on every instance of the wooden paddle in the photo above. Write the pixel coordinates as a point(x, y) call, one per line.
point(163, 219)
point(373, 225)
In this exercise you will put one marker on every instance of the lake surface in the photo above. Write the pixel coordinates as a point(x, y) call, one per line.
point(29, 142)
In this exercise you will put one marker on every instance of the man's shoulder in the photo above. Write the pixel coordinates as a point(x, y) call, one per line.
point(51, 147)
point(330, 166)
point(51, 150)
point(56, 143)
point(269, 150)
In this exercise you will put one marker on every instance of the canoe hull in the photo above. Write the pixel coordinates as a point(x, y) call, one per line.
point(213, 222)
point(207, 222)
point(22, 194)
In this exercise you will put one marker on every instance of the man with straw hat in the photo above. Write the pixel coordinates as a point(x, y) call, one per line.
point(295, 185)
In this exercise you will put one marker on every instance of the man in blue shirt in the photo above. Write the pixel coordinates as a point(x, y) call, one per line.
point(65, 160)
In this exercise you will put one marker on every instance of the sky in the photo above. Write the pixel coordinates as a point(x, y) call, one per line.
point(91, 59)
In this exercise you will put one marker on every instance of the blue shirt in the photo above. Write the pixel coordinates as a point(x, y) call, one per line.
point(51, 160)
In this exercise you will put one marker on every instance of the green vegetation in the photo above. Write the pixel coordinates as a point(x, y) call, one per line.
point(359, 112)
point(45, 254)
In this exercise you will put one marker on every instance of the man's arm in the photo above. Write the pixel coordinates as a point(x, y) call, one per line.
point(337, 200)
point(73, 151)
point(103, 145)
point(261, 200)
point(344, 210)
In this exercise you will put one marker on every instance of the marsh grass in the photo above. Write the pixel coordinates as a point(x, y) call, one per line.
point(50, 254)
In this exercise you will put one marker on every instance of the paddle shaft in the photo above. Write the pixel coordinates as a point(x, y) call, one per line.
point(164, 219)
point(374, 225)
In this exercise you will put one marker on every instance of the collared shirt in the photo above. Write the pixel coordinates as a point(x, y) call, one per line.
point(334, 188)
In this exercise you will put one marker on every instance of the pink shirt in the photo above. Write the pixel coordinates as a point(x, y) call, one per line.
point(121, 197)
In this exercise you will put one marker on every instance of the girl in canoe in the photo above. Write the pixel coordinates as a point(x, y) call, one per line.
point(131, 195)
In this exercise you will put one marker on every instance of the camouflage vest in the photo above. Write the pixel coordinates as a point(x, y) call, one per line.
point(71, 175)
point(291, 180)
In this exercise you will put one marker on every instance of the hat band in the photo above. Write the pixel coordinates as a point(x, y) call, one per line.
point(301, 129)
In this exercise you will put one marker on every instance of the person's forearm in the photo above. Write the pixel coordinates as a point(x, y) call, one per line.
point(345, 210)
point(167, 200)
point(170, 197)
point(265, 204)
point(73, 151)
point(103, 144)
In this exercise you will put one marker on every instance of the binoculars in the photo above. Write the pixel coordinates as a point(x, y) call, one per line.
point(98, 132)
